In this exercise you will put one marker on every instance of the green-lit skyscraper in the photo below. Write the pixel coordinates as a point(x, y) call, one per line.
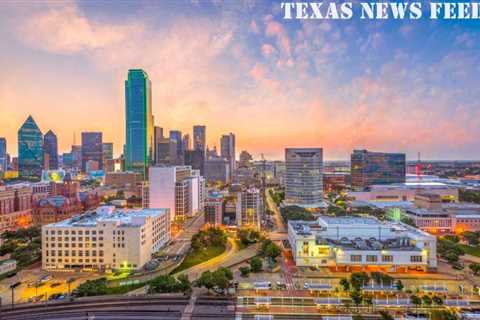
point(139, 121)
point(30, 149)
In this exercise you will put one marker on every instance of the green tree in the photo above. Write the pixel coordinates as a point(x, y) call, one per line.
point(345, 284)
point(437, 300)
point(399, 285)
point(244, 271)
point(91, 288)
point(206, 280)
point(357, 297)
point(256, 264)
point(415, 300)
point(471, 237)
point(475, 268)
point(452, 238)
point(426, 300)
point(358, 279)
point(384, 315)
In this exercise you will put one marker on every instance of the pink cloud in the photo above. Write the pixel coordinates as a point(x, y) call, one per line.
point(268, 50)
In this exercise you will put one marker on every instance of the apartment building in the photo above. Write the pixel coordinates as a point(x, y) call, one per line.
point(105, 239)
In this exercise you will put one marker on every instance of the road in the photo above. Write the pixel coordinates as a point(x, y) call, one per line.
point(280, 226)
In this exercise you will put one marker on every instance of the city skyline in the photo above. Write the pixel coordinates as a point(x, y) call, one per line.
point(350, 85)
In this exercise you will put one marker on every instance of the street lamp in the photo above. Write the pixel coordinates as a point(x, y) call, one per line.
point(12, 287)
point(69, 282)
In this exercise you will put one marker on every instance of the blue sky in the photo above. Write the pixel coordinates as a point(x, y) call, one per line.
point(238, 66)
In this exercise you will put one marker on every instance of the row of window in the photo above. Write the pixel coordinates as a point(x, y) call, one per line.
point(73, 232)
point(385, 258)
point(73, 253)
point(73, 245)
point(74, 239)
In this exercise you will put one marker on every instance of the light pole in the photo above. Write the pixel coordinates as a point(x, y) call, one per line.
point(69, 282)
point(12, 287)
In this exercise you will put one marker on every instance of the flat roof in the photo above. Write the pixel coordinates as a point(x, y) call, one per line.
point(125, 217)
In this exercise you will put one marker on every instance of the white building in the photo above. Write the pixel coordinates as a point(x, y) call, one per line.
point(7, 266)
point(178, 188)
point(106, 238)
point(249, 208)
point(303, 177)
point(405, 192)
point(357, 243)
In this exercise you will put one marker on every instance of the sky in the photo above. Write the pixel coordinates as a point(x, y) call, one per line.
point(238, 66)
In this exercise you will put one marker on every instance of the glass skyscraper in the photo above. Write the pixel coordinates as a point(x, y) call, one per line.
point(369, 168)
point(50, 146)
point(3, 154)
point(139, 121)
point(30, 149)
point(177, 137)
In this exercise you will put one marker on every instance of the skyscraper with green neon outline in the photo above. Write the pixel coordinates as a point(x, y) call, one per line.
point(139, 121)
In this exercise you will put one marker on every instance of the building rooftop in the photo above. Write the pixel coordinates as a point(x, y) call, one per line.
point(124, 217)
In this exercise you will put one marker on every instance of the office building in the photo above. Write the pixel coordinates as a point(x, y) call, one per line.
point(370, 168)
point(186, 142)
point(177, 137)
point(3, 155)
point(355, 244)
point(249, 208)
point(195, 159)
point(166, 152)
point(50, 146)
point(92, 150)
point(15, 207)
point(105, 239)
point(76, 152)
point(217, 170)
point(30, 149)
point(157, 137)
point(107, 150)
point(214, 209)
point(178, 188)
point(304, 177)
point(200, 138)
point(227, 151)
point(139, 122)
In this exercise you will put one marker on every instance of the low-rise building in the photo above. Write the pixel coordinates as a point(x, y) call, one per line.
point(214, 209)
point(350, 243)
point(7, 266)
point(105, 238)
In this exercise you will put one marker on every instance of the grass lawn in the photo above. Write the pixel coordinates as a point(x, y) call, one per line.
point(197, 257)
point(473, 251)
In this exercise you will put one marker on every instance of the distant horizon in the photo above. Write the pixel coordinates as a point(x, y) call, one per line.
point(238, 66)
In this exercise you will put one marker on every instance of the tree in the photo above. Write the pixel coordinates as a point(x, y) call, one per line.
point(222, 278)
point(184, 283)
point(443, 315)
point(471, 237)
point(168, 284)
point(475, 267)
point(256, 264)
point(358, 279)
point(384, 315)
point(244, 271)
point(437, 300)
point(271, 250)
point(426, 300)
point(399, 285)
point(415, 300)
point(206, 280)
point(356, 297)
point(345, 284)
point(452, 238)
point(91, 288)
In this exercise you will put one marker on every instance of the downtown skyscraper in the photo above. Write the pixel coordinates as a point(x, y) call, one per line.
point(50, 146)
point(92, 151)
point(139, 122)
point(199, 138)
point(3, 154)
point(227, 151)
point(30, 149)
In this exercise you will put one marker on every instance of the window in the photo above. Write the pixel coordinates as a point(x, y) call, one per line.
point(416, 259)
point(371, 258)
point(387, 258)
point(356, 258)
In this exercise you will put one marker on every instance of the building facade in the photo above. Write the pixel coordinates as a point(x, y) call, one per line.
point(304, 176)
point(3, 155)
point(214, 209)
point(30, 149)
point(200, 138)
point(15, 207)
point(227, 151)
point(249, 208)
point(139, 122)
point(50, 146)
point(354, 243)
point(105, 239)
point(217, 170)
point(92, 150)
point(370, 168)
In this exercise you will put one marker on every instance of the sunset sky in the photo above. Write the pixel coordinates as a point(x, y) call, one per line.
point(237, 66)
